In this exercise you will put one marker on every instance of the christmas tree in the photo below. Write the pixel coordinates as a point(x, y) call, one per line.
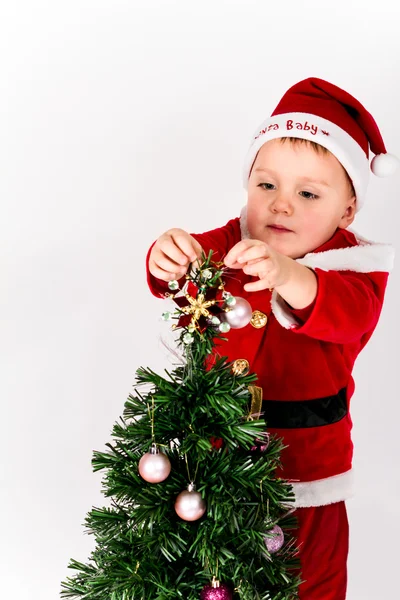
point(196, 512)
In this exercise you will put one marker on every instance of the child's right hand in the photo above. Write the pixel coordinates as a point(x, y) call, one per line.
point(171, 254)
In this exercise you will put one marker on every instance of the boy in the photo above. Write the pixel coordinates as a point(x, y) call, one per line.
point(316, 289)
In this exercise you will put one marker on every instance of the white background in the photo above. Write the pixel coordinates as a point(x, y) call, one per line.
point(120, 120)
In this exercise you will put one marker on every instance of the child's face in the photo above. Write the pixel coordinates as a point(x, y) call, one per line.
point(283, 194)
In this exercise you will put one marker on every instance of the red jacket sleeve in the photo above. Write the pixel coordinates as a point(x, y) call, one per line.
point(302, 314)
point(219, 240)
point(348, 304)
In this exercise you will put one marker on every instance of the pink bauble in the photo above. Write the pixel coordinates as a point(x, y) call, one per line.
point(154, 466)
point(275, 543)
point(239, 315)
point(222, 592)
point(262, 443)
point(189, 505)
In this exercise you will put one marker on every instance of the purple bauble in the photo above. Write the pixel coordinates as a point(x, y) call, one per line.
point(275, 543)
point(210, 592)
point(154, 466)
point(240, 314)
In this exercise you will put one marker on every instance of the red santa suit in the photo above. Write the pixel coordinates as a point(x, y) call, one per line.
point(304, 358)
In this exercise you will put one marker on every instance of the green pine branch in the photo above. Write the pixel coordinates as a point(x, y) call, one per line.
point(144, 550)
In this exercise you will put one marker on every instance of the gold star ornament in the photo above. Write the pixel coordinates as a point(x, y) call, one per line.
point(197, 307)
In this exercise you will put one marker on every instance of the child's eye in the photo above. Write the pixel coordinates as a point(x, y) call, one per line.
point(310, 195)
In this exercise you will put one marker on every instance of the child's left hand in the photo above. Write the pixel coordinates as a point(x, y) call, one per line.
point(259, 259)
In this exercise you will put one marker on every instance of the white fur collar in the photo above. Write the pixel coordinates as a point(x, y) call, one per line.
point(366, 257)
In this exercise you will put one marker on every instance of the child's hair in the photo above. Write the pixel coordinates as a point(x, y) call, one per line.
point(319, 149)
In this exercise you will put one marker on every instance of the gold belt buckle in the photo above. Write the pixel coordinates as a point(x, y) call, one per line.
point(256, 402)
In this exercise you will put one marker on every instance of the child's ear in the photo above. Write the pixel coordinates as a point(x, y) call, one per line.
point(349, 214)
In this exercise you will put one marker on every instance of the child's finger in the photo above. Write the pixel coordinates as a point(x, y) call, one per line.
point(255, 253)
point(254, 261)
point(241, 265)
point(198, 251)
point(235, 265)
point(184, 242)
point(161, 274)
point(197, 247)
point(256, 286)
point(235, 252)
point(172, 251)
point(166, 264)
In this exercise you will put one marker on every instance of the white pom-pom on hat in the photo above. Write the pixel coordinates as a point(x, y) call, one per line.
point(383, 165)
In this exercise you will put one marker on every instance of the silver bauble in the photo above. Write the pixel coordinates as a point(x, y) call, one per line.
point(189, 505)
point(240, 315)
point(154, 466)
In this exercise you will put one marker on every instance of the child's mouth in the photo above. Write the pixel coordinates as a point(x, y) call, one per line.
point(279, 229)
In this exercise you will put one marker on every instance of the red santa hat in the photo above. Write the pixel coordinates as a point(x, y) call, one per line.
point(317, 110)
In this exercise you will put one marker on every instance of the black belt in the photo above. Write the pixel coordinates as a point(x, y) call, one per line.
point(291, 414)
